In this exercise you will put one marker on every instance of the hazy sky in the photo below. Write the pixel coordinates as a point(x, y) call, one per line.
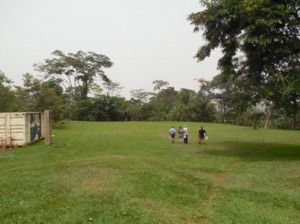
point(146, 40)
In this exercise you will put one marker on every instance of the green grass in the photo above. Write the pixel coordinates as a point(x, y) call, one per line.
point(130, 172)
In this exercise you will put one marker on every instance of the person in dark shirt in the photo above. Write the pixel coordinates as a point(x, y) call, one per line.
point(201, 134)
point(180, 134)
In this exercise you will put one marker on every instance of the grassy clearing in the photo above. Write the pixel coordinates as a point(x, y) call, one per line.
point(130, 173)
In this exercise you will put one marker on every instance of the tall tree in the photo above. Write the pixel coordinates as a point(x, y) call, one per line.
point(158, 84)
point(76, 72)
point(106, 108)
point(39, 95)
point(140, 95)
point(134, 109)
point(183, 108)
point(265, 32)
point(163, 103)
point(113, 88)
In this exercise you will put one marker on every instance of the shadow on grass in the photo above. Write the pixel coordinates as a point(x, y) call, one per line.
point(257, 151)
point(61, 126)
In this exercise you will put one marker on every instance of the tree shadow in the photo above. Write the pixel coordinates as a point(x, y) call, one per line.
point(250, 151)
point(61, 126)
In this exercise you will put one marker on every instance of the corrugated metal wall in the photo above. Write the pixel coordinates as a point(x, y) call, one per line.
point(18, 129)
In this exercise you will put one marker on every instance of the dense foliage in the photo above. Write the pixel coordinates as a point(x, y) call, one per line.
point(261, 52)
point(258, 84)
point(160, 105)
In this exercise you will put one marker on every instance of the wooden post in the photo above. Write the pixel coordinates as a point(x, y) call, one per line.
point(48, 127)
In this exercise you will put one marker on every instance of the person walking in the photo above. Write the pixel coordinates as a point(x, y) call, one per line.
point(185, 135)
point(180, 134)
point(201, 135)
point(172, 133)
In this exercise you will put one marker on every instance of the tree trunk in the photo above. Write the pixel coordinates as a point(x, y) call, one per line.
point(294, 121)
point(254, 124)
point(224, 114)
point(269, 116)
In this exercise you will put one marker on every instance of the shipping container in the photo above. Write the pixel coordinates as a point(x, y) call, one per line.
point(20, 128)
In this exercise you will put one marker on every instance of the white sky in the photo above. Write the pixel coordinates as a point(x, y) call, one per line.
point(146, 40)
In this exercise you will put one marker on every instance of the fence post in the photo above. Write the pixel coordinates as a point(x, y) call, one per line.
point(48, 127)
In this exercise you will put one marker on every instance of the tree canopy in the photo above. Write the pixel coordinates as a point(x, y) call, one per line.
point(260, 42)
point(259, 74)
point(76, 71)
point(265, 31)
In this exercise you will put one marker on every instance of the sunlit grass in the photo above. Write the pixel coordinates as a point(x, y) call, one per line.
point(130, 172)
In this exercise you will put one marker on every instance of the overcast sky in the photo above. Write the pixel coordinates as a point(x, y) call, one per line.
point(146, 40)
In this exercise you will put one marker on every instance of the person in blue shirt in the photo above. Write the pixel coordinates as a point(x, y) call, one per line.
point(172, 133)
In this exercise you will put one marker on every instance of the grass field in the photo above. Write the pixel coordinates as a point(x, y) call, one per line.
point(130, 172)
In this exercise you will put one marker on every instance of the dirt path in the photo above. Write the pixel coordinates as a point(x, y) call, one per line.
point(218, 181)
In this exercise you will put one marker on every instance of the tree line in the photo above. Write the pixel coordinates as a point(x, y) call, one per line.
point(258, 83)
point(163, 104)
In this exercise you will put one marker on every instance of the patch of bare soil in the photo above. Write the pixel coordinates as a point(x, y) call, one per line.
point(218, 182)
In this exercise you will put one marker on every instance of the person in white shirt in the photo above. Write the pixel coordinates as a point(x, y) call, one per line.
point(185, 135)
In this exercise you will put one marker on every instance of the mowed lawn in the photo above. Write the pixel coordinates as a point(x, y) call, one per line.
point(130, 172)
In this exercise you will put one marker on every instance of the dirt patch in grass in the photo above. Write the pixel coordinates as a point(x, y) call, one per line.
point(98, 183)
point(91, 180)
point(218, 182)
point(168, 213)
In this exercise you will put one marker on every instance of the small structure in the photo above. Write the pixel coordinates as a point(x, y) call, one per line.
point(20, 128)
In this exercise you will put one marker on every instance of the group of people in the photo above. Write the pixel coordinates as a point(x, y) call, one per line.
point(183, 135)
